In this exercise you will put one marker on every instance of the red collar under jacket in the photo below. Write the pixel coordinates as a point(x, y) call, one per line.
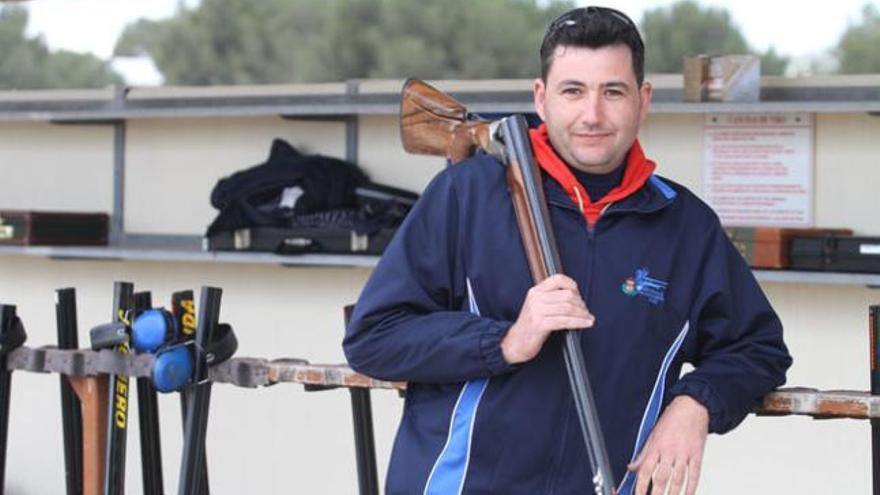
point(638, 170)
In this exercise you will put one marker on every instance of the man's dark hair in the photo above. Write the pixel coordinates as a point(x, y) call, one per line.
point(593, 27)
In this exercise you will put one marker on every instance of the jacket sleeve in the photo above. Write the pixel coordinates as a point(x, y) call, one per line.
point(411, 322)
point(740, 352)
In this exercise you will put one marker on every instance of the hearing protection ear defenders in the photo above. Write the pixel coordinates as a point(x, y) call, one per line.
point(152, 329)
point(155, 331)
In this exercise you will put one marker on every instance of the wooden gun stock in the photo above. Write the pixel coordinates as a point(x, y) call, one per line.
point(94, 396)
point(434, 123)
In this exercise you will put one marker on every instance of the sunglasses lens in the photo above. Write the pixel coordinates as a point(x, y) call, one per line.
point(574, 17)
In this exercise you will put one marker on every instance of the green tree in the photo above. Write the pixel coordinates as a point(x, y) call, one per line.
point(684, 28)
point(279, 41)
point(857, 49)
point(26, 63)
point(773, 63)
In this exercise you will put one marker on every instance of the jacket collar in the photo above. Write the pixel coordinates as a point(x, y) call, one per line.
point(632, 194)
point(647, 199)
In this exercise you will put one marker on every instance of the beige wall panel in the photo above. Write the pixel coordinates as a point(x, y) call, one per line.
point(163, 156)
point(848, 172)
point(675, 142)
point(382, 155)
point(56, 167)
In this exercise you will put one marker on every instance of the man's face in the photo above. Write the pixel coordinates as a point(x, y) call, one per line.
point(592, 105)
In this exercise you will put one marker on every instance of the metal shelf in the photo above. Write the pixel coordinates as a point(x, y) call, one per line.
point(187, 256)
point(382, 98)
point(347, 101)
point(806, 277)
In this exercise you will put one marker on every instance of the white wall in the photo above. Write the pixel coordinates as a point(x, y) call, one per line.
point(284, 440)
point(45, 166)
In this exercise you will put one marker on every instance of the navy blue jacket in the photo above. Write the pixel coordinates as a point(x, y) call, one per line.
point(657, 271)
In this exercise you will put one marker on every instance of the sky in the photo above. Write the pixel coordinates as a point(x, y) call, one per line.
point(794, 28)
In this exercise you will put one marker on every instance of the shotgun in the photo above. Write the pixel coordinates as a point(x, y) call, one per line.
point(92, 392)
point(434, 123)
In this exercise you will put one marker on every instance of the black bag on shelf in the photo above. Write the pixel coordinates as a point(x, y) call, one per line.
point(295, 203)
point(834, 253)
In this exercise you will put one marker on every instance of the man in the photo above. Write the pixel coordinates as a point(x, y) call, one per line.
point(651, 278)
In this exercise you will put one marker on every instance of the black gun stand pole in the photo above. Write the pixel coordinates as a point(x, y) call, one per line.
point(199, 401)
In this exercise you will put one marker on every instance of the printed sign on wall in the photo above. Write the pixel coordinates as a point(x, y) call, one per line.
point(758, 168)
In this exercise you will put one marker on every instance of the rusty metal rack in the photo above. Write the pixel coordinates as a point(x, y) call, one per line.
point(243, 372)
point(257, 372)
point(89, 369)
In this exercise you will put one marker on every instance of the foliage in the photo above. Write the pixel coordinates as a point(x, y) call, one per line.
point(281, 41)
point(27, 63)
point(685, 28)
point(857, 50)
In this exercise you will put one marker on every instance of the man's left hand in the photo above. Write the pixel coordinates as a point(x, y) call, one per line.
point(674, 450)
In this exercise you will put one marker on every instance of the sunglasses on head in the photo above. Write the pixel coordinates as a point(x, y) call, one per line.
point(574, 17)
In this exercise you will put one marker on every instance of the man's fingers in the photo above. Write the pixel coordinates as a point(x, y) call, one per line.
point(556, 323)
point(693, 477)
point(555, 282)
point(661, 478)
point(647, 464)
point(567, 308)
point(642, 482)
point(679, 470)
point(634, 465)
point(562, 295)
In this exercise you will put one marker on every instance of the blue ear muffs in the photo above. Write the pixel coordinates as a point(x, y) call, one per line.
point(152, 329)
point(173, 368)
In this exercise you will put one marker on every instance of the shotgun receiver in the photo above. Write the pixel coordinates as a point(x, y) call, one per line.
point(434, 123)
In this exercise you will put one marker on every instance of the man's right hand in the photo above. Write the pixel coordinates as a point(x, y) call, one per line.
point(552, 305)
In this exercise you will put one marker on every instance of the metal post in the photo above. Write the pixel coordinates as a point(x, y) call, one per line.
point(351, 138)
point(117, 218)
point(196, 428)
point(364, 443)
point(148, 419)
point(71, 409)
point(365, 447)
point(352, 123)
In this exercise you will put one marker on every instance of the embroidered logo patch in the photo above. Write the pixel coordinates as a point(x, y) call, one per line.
point(651, 288)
